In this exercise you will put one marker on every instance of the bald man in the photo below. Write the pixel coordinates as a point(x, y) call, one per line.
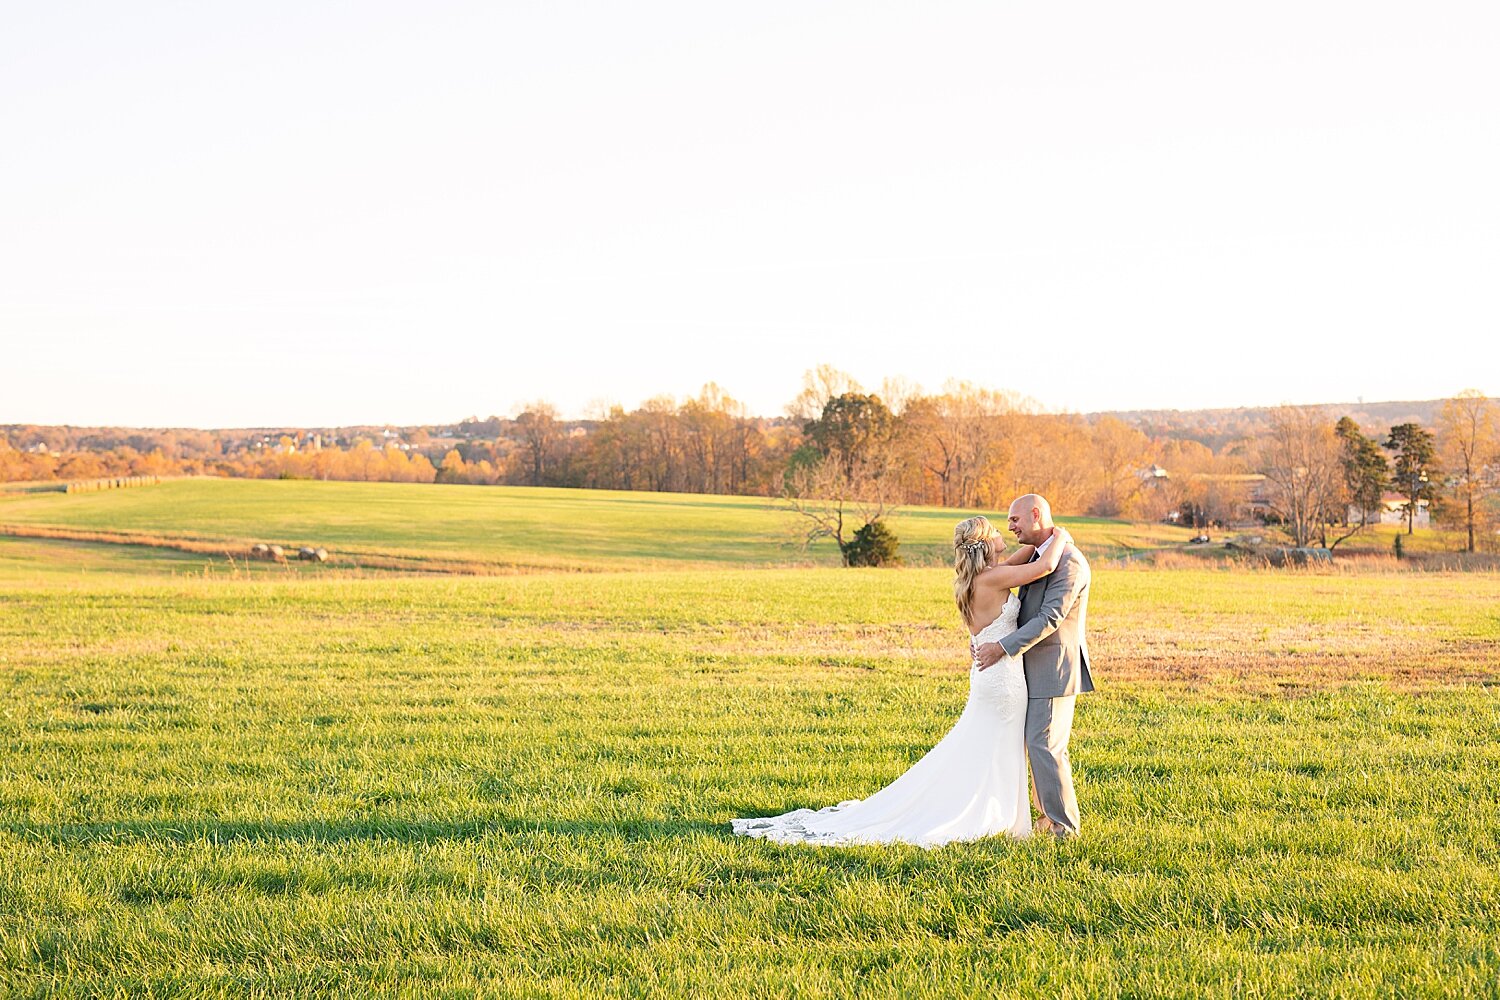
point(1054, 651)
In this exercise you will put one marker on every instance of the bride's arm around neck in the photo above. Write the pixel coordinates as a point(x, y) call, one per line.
point(1008, 574)
point(1020, 557)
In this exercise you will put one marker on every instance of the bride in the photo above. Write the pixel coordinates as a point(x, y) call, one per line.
point(973, 783)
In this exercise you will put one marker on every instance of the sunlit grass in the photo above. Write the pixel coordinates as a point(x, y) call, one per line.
point(521, 785)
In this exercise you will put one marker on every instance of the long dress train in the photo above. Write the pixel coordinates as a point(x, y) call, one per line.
point(972, 784)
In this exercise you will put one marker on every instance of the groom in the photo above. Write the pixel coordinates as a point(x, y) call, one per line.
point(1050, 639)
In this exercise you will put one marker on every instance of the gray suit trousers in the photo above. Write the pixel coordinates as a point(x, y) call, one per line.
point(1049, 721)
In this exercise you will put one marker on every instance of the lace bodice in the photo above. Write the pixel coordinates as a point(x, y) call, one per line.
point(1004, 682)
point(1001, 626)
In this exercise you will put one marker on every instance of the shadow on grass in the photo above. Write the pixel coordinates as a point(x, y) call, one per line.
point(375, 828)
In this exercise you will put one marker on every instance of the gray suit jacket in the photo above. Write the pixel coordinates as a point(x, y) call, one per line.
point(1050, 635)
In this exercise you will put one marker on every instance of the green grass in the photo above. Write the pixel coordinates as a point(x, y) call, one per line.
point(241, 779)
point(317, 785)
point(501, 526)
point(1438, 539)
point(50, 559)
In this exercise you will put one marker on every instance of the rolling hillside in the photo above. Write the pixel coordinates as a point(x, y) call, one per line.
point(493, 527)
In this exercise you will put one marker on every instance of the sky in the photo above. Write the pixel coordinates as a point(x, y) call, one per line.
point(311, 213)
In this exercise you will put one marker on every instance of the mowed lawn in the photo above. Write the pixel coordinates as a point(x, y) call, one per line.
point(501, 526)
point(521, 785)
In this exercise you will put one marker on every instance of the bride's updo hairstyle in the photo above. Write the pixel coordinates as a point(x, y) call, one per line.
point(971, 554)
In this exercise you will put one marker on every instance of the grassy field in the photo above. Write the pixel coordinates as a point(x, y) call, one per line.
point(313, 783)
point(498, 526)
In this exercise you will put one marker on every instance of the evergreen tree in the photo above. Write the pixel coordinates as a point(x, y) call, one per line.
point(1365, 473)
point(1415, 468)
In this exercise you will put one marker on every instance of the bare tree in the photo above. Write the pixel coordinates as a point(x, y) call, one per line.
point(898, 391)
point(831, 499)
point(1300, 458)
point(1469, 443)
point(819, 385)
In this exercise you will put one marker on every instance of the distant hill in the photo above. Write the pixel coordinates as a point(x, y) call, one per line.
point(1221, 428)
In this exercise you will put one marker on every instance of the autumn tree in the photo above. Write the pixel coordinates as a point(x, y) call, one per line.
point(963, 441)
point(610, 458)
point(706, 444)
point(661, 441)
point(540, 433)
point(453, 468)
point(81, 465)
point(365, 462)
point(850, 428)
point(1054, 457)
point(1121, 453)
point(716, 436)
point(1468, 440)
point(402, 466)
point(1204, 487)
point(1413, 472)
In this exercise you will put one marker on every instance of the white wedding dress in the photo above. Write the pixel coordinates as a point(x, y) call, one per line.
point(971, 785)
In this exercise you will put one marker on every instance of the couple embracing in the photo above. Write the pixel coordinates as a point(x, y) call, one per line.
point(1029, 659)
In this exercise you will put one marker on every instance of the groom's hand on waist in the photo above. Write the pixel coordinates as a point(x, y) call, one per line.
point(989, 654)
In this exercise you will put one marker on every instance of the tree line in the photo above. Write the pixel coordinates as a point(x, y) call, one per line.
point(965, 446)
point(1327, 481)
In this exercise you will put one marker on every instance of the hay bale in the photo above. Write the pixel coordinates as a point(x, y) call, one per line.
point(320, 554)
point(260, 550)
point(277, 553)
point(307, 553)
point(1302, 556)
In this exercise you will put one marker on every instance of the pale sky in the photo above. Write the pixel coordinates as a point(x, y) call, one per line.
point(311, 213)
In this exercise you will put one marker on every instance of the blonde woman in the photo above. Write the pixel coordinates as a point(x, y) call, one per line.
point(973, 783)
